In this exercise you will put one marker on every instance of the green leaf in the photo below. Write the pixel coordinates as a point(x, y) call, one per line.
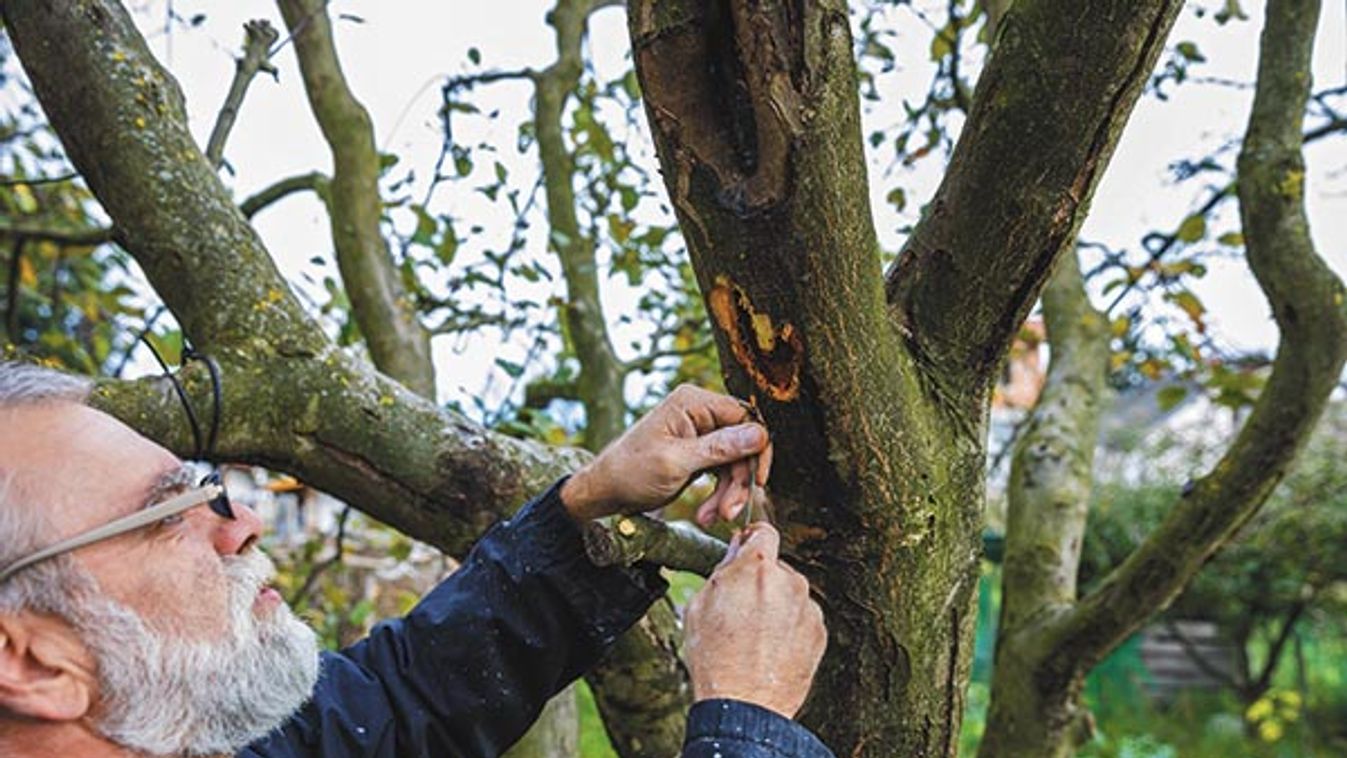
point(425, 227)
point(514, 370)
point(941, 44)
point(448, 244)
point(1168, 398)
point(475, 56)
point(1231, 239)
point(898, 198)
point(629, 196)
point(632, 85)
point(1232, 10)
point(1189, 304)
point(1192, 229)
point(463, 164)
point(1189, 51)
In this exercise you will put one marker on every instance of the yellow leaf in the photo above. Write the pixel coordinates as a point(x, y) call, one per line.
point(1270, 731)
point(27, 274)
point(24, 199)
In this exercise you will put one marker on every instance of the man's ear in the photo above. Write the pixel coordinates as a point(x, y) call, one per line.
point(46, 673)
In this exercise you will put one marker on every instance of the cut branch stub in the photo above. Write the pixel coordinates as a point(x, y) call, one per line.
point(772, 356)
point(724, 83)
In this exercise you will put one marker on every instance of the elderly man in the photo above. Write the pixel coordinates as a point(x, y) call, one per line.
point(136, 617)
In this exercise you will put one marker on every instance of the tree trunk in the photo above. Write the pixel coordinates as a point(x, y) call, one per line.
point(1048, 498)
point(876, 489)
point(877, 404)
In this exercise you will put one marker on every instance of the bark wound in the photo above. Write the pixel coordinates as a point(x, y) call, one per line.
point(723, 88)
point(773, 357)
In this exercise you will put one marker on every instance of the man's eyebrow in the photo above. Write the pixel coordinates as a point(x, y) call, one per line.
point(169, 483)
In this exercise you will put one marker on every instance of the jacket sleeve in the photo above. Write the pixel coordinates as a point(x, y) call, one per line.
point(735, 729)
point(469, 669)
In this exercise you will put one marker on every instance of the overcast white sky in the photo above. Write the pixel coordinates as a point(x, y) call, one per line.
point(396, 56)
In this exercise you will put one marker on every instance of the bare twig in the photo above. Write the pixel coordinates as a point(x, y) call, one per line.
point(12, 293)
point(314, 181)
point(1219, 195)
point(40, 180)
point(94, 236)
point(1196, 656)
point(1274, 653)
point(646, 362)
point(318, 568)
point(258, 38)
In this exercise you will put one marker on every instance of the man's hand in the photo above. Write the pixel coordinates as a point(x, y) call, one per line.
point(753, 633)
point(691, 431)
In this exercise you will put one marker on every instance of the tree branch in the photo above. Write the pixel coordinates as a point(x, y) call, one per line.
point(1196, 656)
point(1047, 113)
point(1274, 652)
point(398, 343)
point(74, 237)
point(292, 400)
point(602, 375)
point(258, 37)
point(12, 290)
point(1307, 303)
point(345, 430)
point(673, 544)
point(314, 181)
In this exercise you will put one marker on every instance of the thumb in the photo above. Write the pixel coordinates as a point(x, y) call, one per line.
point(729, 444)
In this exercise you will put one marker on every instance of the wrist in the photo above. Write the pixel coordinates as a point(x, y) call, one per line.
point(786, 708)
point(580, 497)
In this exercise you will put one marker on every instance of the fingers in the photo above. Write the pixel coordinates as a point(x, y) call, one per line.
point(706, 512)
point(727, 445)
point(706, 409)
point(730, 495)
point(764, 464)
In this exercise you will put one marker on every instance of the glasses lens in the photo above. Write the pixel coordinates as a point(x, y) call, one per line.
point(219, 504)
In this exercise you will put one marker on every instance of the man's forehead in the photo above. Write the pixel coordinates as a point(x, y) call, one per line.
point(82, 465)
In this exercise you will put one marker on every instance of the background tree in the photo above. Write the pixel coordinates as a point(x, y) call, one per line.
point(1048, 637)
point(875, 390)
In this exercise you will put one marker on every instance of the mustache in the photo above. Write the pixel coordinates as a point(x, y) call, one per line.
point(249, 573)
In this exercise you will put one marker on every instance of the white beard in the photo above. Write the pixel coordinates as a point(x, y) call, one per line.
point(162, 695)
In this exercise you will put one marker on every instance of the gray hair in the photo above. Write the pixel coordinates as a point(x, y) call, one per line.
point(47, 587)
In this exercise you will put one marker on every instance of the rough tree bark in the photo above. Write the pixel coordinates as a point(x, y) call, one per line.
point(398, 343)
point(1049, 641)
point(877, 404)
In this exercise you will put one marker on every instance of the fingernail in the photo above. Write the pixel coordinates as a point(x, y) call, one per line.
point(748, 436)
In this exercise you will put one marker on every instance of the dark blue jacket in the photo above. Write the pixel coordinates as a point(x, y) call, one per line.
point(468, 670)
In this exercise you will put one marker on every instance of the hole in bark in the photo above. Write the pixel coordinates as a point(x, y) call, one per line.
point(723, 90)
point(734, 102)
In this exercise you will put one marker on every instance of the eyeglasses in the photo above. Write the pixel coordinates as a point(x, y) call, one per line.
point(210, 492)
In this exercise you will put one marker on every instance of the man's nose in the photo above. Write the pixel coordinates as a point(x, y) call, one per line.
point(233, 536)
